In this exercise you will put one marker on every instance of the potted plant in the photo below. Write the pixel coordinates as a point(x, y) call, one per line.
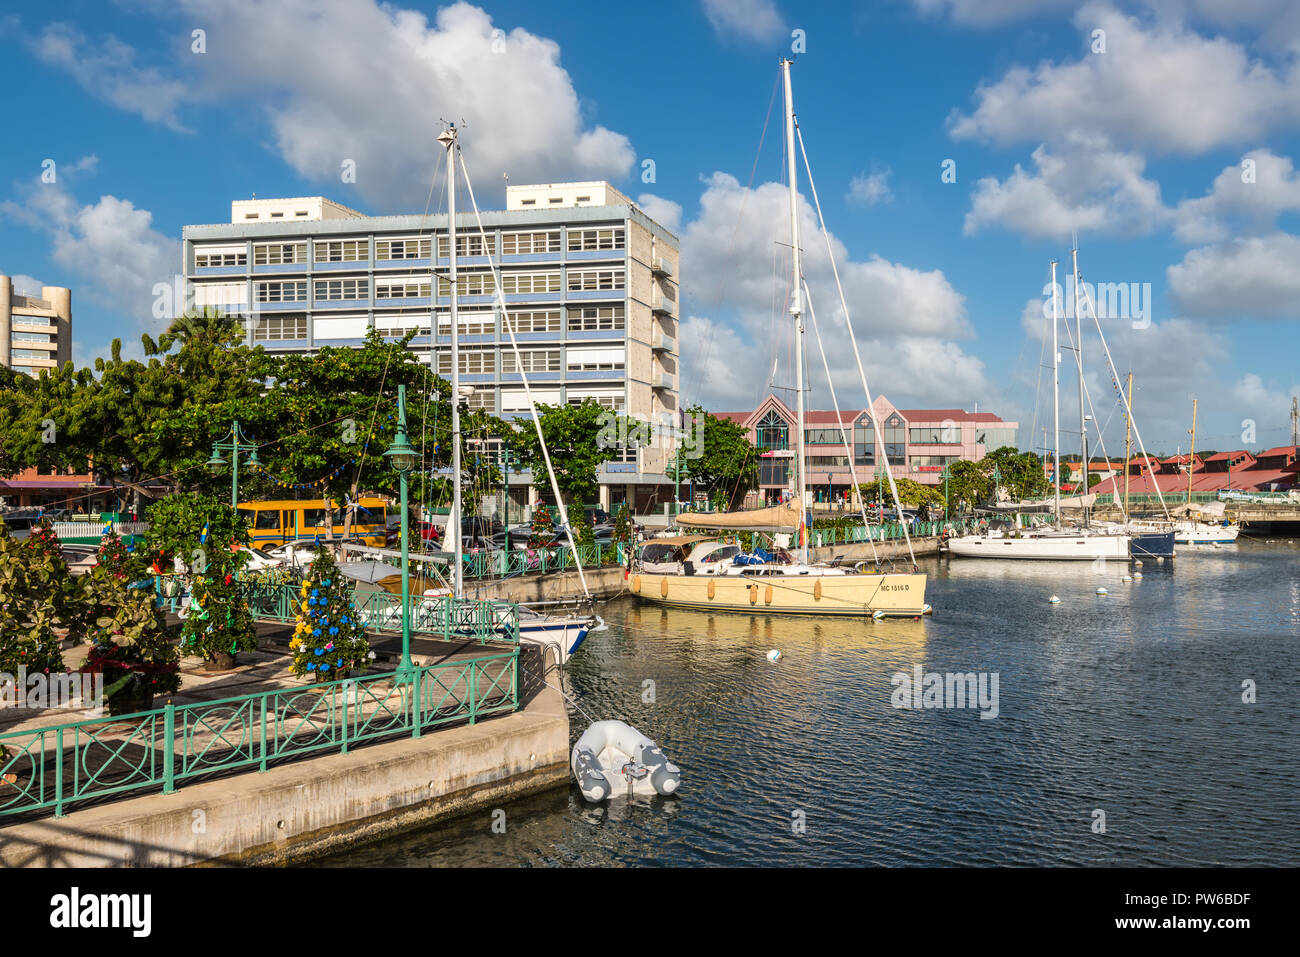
point(329, 641)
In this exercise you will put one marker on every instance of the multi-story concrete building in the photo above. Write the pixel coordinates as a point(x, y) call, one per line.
point(35, 334)
point(917, 442)
point(590, 284)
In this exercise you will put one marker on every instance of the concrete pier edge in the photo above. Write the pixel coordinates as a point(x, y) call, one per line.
point(305, 808)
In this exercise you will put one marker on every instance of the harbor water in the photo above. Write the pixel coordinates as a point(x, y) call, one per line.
point(1121, 736)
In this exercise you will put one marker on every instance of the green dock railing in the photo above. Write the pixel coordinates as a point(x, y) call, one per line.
point(51, 768)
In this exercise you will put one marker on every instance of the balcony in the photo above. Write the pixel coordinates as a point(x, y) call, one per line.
point(664, 380)
point(661, 267)
point(662, 303)
point(663, 343)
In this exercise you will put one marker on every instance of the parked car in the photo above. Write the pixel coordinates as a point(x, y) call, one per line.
point(80, 558)
point(259, 560)
point(299, 553)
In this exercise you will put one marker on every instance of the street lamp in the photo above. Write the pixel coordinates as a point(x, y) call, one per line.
point(402, 457)
point(233, 442)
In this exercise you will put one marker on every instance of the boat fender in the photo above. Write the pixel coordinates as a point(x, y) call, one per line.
point(817, 590)
point(753, 594)
point(636, 584)
point(713, 587)
point(767, 595)
point(663, 587)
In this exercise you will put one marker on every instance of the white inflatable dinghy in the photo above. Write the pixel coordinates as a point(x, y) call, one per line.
point(614, 758)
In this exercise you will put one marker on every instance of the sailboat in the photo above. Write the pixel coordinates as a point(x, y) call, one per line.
point(705, 571)
point(559, 635)
point(1058, 541)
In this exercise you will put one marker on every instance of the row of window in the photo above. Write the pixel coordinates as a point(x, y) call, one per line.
point(468, 244)
point(580, 319)
point(482, 361)
point(31, 337)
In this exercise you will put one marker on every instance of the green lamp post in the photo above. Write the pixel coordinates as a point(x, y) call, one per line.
point(403, 457)
point(234, 442)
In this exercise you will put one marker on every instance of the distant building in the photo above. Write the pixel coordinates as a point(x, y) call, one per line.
point(917, 442)
point(1276, 469)
point(591, 285)
point(35, 334)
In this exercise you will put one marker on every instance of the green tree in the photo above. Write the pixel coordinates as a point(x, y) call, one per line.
point(724, 463)
point(579, 439)
point(1021, 474)
point(968, 485)
point(910, 493)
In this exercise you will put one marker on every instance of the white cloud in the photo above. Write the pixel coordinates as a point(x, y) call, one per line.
point(111, 244)
point(904, 318)
point(1234, 205)
point(1255, 400)
point(663, 211)
point(1247, 278)
point(753, 20)
point(985, 13)
point(106, 67)
point(26, 286)
point(1086, 187)
point(369, 83)
point(868, 189)
point(1159, 86)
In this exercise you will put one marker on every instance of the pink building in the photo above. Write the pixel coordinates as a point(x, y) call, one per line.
point(917, 442)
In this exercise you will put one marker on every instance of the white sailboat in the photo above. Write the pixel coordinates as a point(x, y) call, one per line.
point(709, 573)
point(558, 634)
point(1057, 542)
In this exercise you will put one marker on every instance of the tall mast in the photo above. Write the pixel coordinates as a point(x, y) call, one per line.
point(1191, 459)
point(1056, 407)
point(1078, 346)
point(448, 140)
point(796, 308)
point(1128, 439)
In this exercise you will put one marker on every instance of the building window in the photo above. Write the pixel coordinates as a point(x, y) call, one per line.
point(397, 332)
point(484, 400)
point(828, 461)
point(267, 328)
point(343, 251)
point(932, 461)
point(535, 320)
point(773, 472)
point(581, 240)
point(773, 433)
point(530, 244)
point(589, 280)
point(596, 360)
point(205, 259)
point(467, 244)
point(536, 360)
point(996, 438)
point(529, 283)
point(279, 254)
point(472, 362)
point(31, 337)
point(468, 284)
point(294, 290)
point(409, 287)
point(388, 249)
point(825, 437)
point(864, 441)
point(336, 289)
point(596, 318)
point(895, 437)
point(614, 401)
point(470, 323)
point(949, 434)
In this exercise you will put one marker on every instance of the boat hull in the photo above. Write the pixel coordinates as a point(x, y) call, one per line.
point(1213, 535)
point(561, 636)
point(895, 596)
point(1061, 548)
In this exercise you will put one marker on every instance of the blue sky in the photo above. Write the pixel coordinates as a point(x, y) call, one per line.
point(1167, 142)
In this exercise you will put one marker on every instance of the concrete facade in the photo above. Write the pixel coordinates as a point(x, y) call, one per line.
point(35, 333)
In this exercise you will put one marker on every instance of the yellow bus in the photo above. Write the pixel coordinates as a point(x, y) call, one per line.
point(274, 523)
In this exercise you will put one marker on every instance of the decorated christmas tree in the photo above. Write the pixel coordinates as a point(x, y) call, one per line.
point(329, 641)
point(623, 525)
point(129, 638)
point(219, 622)
point(125, 564)
point(29, 581)
point(543, 527)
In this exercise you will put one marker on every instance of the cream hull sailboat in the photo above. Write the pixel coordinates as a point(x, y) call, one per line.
point(789, 593)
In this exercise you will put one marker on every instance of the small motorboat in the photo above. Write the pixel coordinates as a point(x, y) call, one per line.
point(612, 758)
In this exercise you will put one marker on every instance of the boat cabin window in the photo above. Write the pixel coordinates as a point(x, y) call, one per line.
point(722, 554)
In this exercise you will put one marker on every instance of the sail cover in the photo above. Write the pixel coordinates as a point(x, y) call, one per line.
point(778, 516)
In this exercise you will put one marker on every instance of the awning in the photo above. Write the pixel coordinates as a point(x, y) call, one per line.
point(678, 540)
point(778, 516)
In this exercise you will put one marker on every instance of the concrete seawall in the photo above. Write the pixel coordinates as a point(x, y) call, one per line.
point(893, 549)
point(307, 807)
point(604, 582)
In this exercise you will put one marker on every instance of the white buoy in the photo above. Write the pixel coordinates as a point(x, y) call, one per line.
point(1138, 563)
point(1102, 591)
point(1127, 578)
point(877, 614)
point(1054, 600)
point(773, 655)
point(1137, 574)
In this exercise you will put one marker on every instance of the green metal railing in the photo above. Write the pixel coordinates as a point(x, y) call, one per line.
point(889, 531)
point(54, 767)
point(503, 563)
